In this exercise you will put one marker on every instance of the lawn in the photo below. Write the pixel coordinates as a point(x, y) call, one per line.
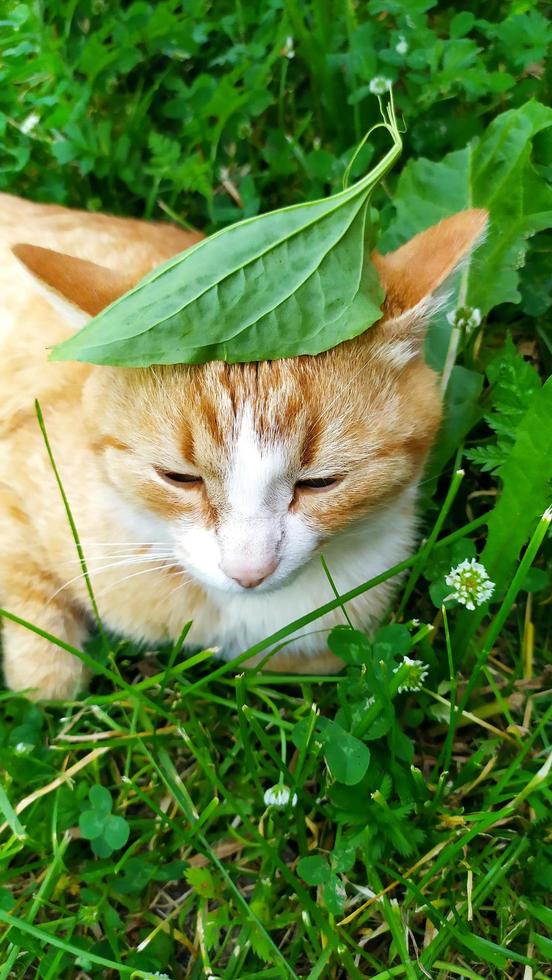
point(192, 818)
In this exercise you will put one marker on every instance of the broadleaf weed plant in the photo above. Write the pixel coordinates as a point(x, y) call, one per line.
point(191, 817)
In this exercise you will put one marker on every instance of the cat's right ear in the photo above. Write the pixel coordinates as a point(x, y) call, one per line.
point(415, 274)
point(77, 289)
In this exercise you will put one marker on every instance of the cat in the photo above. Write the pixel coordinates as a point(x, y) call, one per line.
point(202, 493)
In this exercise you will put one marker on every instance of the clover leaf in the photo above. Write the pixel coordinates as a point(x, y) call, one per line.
point(316, 870)
point(105, 831)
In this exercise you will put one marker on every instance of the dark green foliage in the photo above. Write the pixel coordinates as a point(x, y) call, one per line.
point(513, 384)
point(218, 111)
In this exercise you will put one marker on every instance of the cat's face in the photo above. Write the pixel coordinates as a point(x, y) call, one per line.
point(245, 470)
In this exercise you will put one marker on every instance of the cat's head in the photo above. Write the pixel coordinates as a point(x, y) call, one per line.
point(245, 470)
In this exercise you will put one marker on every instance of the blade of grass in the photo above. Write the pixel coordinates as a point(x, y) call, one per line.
point(90, 662)
point(73, 526)
point(52, 940)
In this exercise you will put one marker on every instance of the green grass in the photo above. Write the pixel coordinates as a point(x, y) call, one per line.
point(419, 845)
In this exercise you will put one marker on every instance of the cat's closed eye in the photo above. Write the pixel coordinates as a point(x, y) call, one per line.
point(318, 483)
point(180, 479)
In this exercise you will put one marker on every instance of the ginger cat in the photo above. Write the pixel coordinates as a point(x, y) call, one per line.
point(203, 493)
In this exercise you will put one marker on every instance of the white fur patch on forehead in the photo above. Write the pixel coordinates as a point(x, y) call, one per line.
point(257, 470)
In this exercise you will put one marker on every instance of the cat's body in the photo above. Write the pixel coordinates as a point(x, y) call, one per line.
point(191, 488)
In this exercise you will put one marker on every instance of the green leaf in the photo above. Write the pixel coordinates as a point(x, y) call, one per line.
point(202, 881)
point(314, 869)
point(101, 847)
point(91, 824)
point(513, 384)
point(100, 798)
point(347, 757)
point(138, 873)
point(484, 949)
point(294, 281)
point(543, 944)
point(116, 831)
point(352, 646)
point(344, 855)
point(7, 901)
point(10, 815)
point(536, 580)
point(495, 173)
point(334, 894)
point(260, 944)
point(461, 24)
point(396, 636)
point(540, 912)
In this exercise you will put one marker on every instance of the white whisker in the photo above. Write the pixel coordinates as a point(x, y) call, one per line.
point(123, 555)
point(130, 544)
point(115, 564)
point(181, 585)
point(143, 571)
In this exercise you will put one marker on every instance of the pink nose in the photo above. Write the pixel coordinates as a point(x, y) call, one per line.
point(250, 576)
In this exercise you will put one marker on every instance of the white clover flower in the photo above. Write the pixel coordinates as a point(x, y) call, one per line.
point(22, 748)
point(465, 318)
point(280, 796)
point(29, 123)
point(470, 583)
point(401, 46)
point(288, 50)
point(379, 85)
point(416, 675)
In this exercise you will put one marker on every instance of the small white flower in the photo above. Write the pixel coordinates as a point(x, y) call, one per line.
point(288, 50)
point(416, 675)
point(401, 46)
point(465, 318)
point(280, 796)
point(470, 583)
point(379, 85)
point(29, 123)
point(22, 748)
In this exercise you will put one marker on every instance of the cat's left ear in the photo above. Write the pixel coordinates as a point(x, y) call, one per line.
point(77, 289)
point(413, 273)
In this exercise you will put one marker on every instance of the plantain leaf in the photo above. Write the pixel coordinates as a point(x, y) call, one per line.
point(495, 173)
point(294, 281)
